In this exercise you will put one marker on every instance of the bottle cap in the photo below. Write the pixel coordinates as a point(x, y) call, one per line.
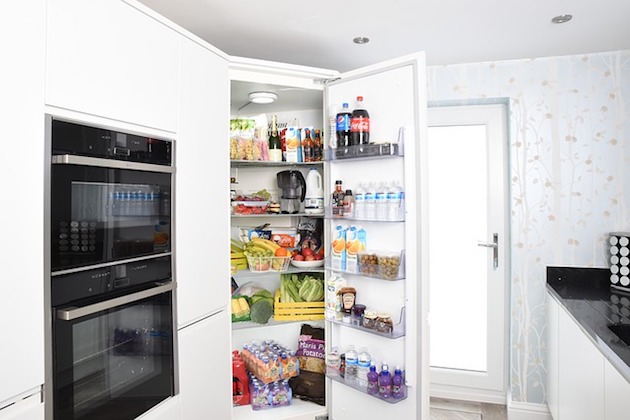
point(338, 182)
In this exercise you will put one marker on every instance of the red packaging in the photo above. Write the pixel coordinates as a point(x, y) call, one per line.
point(240, 384)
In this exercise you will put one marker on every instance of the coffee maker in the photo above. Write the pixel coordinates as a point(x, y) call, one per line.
point(293, 189)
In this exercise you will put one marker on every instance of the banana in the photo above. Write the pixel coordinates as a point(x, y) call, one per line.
point(266, 243)
point(234, 255)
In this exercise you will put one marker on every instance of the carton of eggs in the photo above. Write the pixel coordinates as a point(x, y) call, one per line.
point(620, 259)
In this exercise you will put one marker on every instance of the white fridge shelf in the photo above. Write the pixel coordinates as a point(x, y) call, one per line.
point(297, 410)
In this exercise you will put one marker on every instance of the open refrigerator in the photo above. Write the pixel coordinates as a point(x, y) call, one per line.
point(395, 98)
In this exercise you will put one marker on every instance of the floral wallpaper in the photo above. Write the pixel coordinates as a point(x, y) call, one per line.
point(570, 176)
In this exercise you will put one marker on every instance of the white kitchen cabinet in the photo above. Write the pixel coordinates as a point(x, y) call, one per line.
point(30, 408)
point(201, 219)
point(553, 358)
point(22, 286)
point(109, 59)
point(205, 368)
point(617, 394)
point(580, 373)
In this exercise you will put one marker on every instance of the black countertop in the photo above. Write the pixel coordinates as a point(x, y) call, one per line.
point(586, 295)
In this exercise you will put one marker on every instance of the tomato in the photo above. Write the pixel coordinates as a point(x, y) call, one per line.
point(299, 257)
point(318, 257)
point(307, 251)
point(309, 258)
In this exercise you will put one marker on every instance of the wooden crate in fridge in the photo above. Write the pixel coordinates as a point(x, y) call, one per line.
point(299, 311)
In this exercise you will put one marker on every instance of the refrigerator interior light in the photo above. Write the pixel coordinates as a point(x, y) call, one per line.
point(262, 97)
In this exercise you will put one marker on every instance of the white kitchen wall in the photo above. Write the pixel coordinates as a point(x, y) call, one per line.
point(570, 176)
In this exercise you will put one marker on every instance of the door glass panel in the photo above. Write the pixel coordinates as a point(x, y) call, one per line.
point(458, 194)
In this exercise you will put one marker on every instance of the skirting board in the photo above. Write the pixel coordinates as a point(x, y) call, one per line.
point(527, 411)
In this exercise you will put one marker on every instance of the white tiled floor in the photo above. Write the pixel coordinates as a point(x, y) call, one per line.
point(442, 409)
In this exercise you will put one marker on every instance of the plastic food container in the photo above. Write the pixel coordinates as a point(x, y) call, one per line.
point(249, 207)
point(264, 264)
point(389, 263)
point(368, 263)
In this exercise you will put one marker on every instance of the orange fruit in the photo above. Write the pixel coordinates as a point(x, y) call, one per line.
point(282, 252)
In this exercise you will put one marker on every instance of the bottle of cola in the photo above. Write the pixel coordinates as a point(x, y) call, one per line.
point(343, 126)
point(359, 124)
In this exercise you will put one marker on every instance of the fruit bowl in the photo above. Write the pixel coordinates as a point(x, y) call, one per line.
point(308, 264)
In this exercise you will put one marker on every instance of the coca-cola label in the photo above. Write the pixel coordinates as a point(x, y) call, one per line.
point(360, 125)
point(343, 122)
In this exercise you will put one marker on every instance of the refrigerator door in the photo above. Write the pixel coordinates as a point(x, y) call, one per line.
point(394, 94)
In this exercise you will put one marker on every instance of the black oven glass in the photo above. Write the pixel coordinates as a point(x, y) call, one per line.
point(103, 212)
point(114, 364)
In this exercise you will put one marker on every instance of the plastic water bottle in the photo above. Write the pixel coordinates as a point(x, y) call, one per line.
point(372, 378)
point(398, 385)
point(351, 365)
point(359, 202)
point(380, 201)
point(385, 382)
point(370, 201)
point(394, 201)
point(364, 360)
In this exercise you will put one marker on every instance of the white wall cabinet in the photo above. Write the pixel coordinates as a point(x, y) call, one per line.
point(108, 59)
point(31, 408)
point(202, 225)
point(581, 383)
point(22, 261)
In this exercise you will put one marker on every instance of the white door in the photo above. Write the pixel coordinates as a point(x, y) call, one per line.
point(394, 94)
point(468, 251)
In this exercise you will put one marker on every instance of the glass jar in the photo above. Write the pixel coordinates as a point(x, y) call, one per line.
point(384, 323)
point(369, 319)
point(357, 314)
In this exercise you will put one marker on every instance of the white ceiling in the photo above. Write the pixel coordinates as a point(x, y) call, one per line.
point(319, 33)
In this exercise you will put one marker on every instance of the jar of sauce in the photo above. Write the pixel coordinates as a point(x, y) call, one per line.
point(384, 323)
point(357, 314)
point(369, 319)
point(348, 298)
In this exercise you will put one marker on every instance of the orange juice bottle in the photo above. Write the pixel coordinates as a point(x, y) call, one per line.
point(338, 252)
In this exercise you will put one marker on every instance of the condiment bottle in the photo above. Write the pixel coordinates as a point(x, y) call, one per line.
point(348, 298)
point(307, 146)
point(348, 204)
point(337, 199)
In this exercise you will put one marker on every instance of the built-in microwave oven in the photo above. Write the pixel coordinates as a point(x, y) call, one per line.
point(110, 196)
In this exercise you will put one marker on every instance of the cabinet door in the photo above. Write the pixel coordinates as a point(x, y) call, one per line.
point(202, 190)
point(31, 408)
point(205, 368)
point(22, 284)
point(553, 342)
point(617, 391)
point(395, 98)
point(108, 59)
point(581, 373)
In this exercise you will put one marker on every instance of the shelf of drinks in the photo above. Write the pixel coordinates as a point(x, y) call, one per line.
point(298, 409)
point(274, 215)
point(247, 273)
point(330, 374)
point(364, 152)
point(395, 218)
point(348, 321)
point(245, 325)
point(267, 163)
point(372, 272)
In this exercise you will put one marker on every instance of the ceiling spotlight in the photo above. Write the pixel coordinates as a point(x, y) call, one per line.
point(562, 19)
point(361, 40)
point(262, 97)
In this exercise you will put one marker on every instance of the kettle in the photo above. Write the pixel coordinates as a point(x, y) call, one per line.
point(293, 189)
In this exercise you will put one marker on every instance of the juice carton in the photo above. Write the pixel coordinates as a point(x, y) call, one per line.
point(338, 251)
point(293, 144)
point(355, 243)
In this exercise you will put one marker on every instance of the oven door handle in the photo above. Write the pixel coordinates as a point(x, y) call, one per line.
point(72, 312)
point(110, 163)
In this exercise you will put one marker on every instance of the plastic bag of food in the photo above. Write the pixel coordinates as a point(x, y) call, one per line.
point(310, 385)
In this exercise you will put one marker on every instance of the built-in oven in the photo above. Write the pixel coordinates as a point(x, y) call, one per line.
point(113, 340)
point(110, 195)
point(110, 349)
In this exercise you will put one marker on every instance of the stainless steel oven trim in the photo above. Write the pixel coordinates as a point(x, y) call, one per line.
point(110, 163)
point(72, 312)
point(109, 264)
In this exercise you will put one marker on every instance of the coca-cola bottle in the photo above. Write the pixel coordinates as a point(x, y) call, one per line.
point(359, 124)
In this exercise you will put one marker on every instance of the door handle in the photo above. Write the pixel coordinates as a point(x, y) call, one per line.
point(495, 249)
